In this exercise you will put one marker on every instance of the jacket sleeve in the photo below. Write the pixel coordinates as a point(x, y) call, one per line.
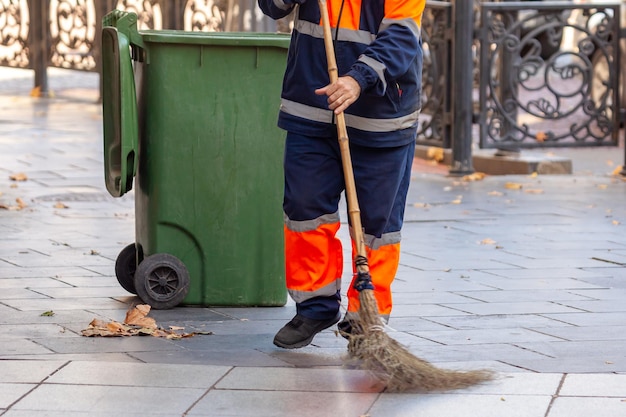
point(395, 49)
point(277, 9)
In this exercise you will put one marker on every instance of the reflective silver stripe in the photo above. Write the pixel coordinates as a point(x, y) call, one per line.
point(306, 112)
point(377, 66)
point(374, 243)
point(382, 125)
point(409, 22)
point(281, 5)
point(327, 291)
point(350, 35)
point(357, 122)
point(308, 225)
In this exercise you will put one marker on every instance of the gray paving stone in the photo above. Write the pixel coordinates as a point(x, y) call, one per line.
point(592, 363)
point(250, 403)
point(11, 316)
point(20, 346)
point(536, 284)
point(68, 303)
point(497, 296)
point(479, 336)
point(35, 331)
point(313, 380)
point(84, 292)
point(227, 354)
point(138, 375)
point(68, 357)
point(81, 344)
point(32, 372)
point(598, 306)
point(580, 349)
point(426, 310)
point(565, 272)
point(10, 393)
point(576, 385)
point(100, 398)
point(399, 405)
point(498, 321)
point(584, 407)
point(528, 307)
point(586, 319)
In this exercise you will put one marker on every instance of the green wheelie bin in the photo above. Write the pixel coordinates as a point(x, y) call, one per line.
point(190, 119)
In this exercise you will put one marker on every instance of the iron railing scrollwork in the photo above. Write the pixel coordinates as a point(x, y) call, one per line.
point(37, 34)
point(434, 127)
point(540, 83)
point(542, 73)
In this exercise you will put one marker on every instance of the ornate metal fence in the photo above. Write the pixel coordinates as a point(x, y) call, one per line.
point(549, 76)
point(38, 34)
point(523, 74)
point(437, 31)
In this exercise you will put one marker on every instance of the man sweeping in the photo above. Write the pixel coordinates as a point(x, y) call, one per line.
point(379, 61)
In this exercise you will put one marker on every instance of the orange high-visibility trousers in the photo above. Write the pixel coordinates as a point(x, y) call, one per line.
point(313, 253)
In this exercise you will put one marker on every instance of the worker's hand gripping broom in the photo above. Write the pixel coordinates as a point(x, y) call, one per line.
point(378, 352)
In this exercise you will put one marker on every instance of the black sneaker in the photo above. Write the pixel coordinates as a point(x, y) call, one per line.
point(300, 331)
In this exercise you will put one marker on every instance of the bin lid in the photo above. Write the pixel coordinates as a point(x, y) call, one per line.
point(280, 40)
point(119, 110)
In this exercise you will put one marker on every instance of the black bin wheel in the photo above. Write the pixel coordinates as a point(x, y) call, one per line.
point(162, 281)
point(125, 267)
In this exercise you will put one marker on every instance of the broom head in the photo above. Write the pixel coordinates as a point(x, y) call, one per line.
point(391, 362)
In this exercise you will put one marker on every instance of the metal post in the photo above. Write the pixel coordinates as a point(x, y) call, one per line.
point(38, 42)
point(462, 67)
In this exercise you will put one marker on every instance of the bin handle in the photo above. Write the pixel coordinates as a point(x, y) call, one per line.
point(126, 23)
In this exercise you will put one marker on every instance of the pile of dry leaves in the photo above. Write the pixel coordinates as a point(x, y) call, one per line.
point(136, 323)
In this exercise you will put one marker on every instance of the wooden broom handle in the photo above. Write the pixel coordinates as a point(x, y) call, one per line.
point(344, 145)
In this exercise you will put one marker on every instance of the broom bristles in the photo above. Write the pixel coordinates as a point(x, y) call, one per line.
point(394, 365)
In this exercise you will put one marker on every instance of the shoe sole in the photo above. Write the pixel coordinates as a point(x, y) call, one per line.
point(305, 342)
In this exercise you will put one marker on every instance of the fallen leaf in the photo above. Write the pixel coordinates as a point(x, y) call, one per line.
point(495, 193)
point(487, 241)
point(616, 223)
point(60, 205)
point(137, 316)
point(602, 186)
point(541, 136)
point(94, 252)
point(435, 154)
point(20, 205)
point(476, 176)
point(513, 186)
point(534, 174)
point(457, 201)
point(533, 191)
point(35, 92)
point(18, 177)
point(617, 171)
point(49, 313)
point(135, 324)
point(420, 205)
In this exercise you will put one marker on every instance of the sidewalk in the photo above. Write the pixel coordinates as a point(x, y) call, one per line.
point(520, 274)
